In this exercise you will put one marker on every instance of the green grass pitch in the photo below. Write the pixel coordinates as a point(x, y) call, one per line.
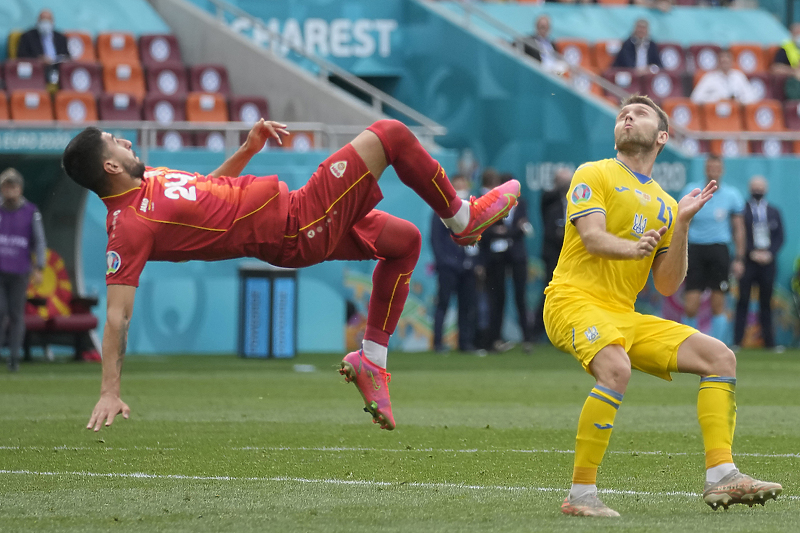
point(482, 444)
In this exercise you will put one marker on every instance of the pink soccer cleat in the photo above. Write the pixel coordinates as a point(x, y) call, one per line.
point(372, 382)
point(486, 210)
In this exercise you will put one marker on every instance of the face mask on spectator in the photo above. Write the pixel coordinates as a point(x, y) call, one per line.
point(45, 26)
point(757, 196)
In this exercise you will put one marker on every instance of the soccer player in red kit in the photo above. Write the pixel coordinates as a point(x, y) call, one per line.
point(160, 214)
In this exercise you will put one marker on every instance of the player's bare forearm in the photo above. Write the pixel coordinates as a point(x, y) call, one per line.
point(669, 268)
point(608, 246)
point(234, 165)
point(115, 342)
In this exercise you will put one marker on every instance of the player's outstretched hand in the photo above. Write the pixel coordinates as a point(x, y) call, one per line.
point(694, 201)
point(648, 242)
point(262, 131)
point(107, 409)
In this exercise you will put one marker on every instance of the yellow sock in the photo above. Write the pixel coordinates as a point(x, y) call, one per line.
point(716, 411)
point(594, 432)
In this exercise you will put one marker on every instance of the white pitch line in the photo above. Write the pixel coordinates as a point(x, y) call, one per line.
point(351, 482)
point(82, 448)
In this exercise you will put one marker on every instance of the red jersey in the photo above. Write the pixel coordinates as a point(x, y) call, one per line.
point(178, 216)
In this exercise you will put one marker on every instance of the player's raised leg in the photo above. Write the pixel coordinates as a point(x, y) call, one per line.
point(716, 411)
point(397, 248)
point(612, 369)
point(390, 142)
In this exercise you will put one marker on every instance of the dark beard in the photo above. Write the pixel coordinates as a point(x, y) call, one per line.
point(136, 170)
point(637, 144)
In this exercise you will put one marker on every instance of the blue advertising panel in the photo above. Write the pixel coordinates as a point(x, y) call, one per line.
point(283, 318)
point(256, 317)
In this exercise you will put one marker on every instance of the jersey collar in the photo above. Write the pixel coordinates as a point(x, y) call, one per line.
point(121, 198)
point(641, 177)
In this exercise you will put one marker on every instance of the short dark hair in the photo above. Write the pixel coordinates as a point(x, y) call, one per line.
point(83, 160)
point(663, 118)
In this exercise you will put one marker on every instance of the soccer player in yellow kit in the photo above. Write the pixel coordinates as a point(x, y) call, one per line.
point(622, 226)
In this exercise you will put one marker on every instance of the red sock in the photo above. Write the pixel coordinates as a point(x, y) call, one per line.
point(398, 245)
point(416, 168)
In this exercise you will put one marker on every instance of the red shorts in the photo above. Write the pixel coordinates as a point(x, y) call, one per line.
point(333, 216)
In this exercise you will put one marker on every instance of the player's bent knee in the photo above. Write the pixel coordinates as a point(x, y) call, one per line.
point(724, 363)
point(611, 367)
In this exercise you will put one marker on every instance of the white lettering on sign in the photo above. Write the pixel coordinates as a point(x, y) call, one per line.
point(539, 176)
point(337, 38)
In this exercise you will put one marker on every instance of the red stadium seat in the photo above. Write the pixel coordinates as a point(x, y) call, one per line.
point(169, 79)
point(575, 51)
point(683, 112)
point(748, 57)
point(119, 107)
point(159, 49)
point(209, 78)
point(725, 115)
point(704, 57)
point(605, 52)
point(80, 46)
point(762, 83)
point(624, 78)
point(164, 109)
point(673, 57)
point(791, 114)
point(661, 85)
point(4, 106)
point(31, 105)
point(249, 109)
point(771, 147)
point(24, 74)
point(75, 107)
point(769, 54)
point(728, 148)
point(117, 47)
point(82, 77)
point(213, 141)
point(778, 83)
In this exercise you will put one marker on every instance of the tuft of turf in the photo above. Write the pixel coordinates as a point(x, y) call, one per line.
point(482, 443)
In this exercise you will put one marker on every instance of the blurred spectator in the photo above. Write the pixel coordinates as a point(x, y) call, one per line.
point(712, 230)
point(764, 236)
point(554, 210)
point(542, 49)
point(502, 248)
point(638, 51)
point(45, 43)
point(21, 234)
point(787, 63)
point(662, 5)
point(455, 269)
point(724, 83)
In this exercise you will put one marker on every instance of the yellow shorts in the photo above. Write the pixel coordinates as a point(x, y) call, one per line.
point(579, 326)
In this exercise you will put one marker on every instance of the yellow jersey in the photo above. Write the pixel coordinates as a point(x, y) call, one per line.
point(633, 204)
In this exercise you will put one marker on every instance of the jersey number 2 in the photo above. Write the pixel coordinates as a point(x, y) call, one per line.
point(175, 189)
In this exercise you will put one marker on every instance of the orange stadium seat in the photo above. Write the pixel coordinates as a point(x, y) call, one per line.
point(748, 57)
point(673, 57)
point(605, 52)
point(683, 112)
point(124, 78)
point(81, 77)
point(72, 106)
point(299, 141)
point(661, 85)
point(159, 49)
point(575, 51)
point(728, 148)
point(209, 78)
point(724, 115)
point(80, 46)
point(167, 79)
point(3, 106)
point(769, 54)
point(119, 107)
point(12, 43)
point(117, 47)
point(31, 105)
point(704, 56)
point(206, 107)
point(24, 74)
point(614, 2)
point(766, 115)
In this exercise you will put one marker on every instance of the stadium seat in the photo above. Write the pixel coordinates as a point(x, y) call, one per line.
point(31, 105)
point(209, 78)
point(769, 54)
point(583, 83)
point(728, 148)
point(73, 106)
point(771, 147)
point(117, 47)
point(673, 57)
point(249, 109)
point(766, 115)
point(213, 141)
point(704, 57)
point(3, 106)
point(82, 77)
point(167, 79)
point(624, 78)
point(762, 83)
point(791, 114)
point(12, 43)
point(80, 46)
point(159, 49)
point(604, 53)
point(575, 51)
point(124, 78)
point(661, 85)
point(164, 109)
point(206, 107)
point(683, 112)
point(299, 141)
point(119, 107)
point(748, 57)
point(778, 83)
point(724, 115)
point(24, 74)
point(694, 147)
point(614, 2)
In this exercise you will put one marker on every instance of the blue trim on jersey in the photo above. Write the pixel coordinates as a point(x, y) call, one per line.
point(585, 212)
point(573, 341)
point(614, 394)
point(719, 379)
point(641, 177)
point(604, 399)
point(661, 251)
